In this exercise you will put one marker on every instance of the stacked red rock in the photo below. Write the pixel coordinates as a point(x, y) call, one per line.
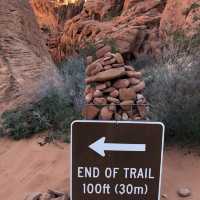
point(113, 90)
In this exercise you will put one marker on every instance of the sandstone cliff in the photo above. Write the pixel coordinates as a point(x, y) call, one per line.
point(26, 68)
point(132, 24)
point(181, 15)
point(137, 27)
point(51, 15)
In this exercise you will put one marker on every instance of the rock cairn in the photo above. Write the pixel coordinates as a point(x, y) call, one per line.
point(113, 90)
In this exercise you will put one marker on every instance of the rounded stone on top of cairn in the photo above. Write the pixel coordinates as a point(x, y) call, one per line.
point(113, 90)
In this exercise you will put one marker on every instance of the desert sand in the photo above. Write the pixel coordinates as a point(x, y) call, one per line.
point(27, 167)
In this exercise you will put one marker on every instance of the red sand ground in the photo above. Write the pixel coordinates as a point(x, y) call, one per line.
point(27, 167)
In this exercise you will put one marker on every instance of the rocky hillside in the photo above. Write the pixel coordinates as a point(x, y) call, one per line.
point(131, 27)
point(180, 15)
point(26, 68)
point(51, 15)
point(136, 27)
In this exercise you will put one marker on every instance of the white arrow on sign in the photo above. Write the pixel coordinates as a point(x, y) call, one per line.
point(100, 147)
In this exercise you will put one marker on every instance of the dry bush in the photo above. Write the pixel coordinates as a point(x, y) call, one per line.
point(73, 74)
point(173, 90)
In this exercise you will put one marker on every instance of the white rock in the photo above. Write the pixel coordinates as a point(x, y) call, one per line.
point(164, 196)
point(184, 192)
point(124, 116)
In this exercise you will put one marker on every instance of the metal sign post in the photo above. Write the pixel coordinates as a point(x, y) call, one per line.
point(116, 160)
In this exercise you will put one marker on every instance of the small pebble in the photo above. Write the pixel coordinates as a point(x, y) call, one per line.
point(164, 196)
point(184, 192)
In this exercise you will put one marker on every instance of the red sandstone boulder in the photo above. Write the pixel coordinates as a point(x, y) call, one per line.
point(100, 101)
point(90, 112)
point(98, 93)
point(113, 100)
point(106, 75)
point(121, 83)
point(127, 94)
point(119, 58)
point(134, 81)
point(101, 52)
point(94, 68)
point(106, 114)
point(139, 87)
point(127, 105)
point(114, 93)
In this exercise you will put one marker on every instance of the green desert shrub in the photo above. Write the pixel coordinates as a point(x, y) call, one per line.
point(190, 8)
point(142, 62)
point(112, 43)
point(88, 50)
point(54, 111)
point(173, 87)
point(1, 132)
point(114, 11)
point(73, 74)
point(180, 44)
point(173, 91)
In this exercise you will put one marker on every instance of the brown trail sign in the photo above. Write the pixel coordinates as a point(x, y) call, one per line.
point(116, 160)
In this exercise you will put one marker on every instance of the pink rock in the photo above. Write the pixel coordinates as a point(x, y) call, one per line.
point(121, 83)
point(109, 62)
point(88, 89)
point(134, 81)
point(102, 51)
point(89, 97)
point(33, 196)
point(107, 67)
point(100, 101)
point(119, 58)
point(114, 93)
point(117, 65)
point(107, 58)
point(94, 68)
point(139, 87)
point(108, 90)
point(106, 114)
point(113, 100)
point(90, 112)
point(127, 105)
point(134, 74)
point(107, 75)
point(112, 107)
point(129, 68)
point(127, 94)
point(98, 93)
point(101, 86)
point(95, 71)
